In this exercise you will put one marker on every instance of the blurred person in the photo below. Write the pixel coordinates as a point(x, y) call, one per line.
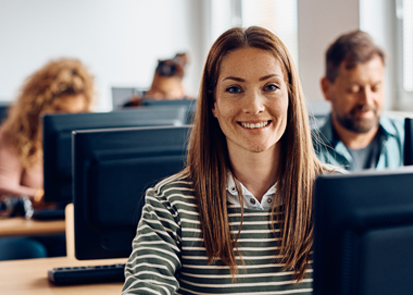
point(356, 135)
point(167, 82)
point(237, 219)
point(61, 86)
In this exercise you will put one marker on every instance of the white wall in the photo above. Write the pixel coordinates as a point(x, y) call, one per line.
point(320, 22)
point(377, 17)
point(119, 40)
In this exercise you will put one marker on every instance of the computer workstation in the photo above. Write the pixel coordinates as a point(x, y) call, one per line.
point(190, 104)
point(363, 237)
point(112, 170)
point(57, 142)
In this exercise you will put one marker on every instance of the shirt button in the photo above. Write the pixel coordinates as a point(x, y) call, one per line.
point(269, 201)
point(252, 201)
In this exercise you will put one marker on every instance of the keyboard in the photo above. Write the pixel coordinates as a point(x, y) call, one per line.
point(48, 214)
point(76, 275)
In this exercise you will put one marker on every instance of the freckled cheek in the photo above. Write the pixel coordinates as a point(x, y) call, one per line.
point(225, 110)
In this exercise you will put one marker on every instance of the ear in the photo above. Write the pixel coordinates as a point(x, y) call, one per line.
point(214, 111)
point(326, 87)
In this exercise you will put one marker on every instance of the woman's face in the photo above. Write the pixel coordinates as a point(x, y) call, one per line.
point(74, 103)
point(251, 101)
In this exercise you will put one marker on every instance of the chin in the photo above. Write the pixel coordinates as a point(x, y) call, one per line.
point(258, 148)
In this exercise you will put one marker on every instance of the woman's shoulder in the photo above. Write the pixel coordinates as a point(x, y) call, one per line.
point(174, 192)
point(178, 180)
point(176, 185)
point(6, 143)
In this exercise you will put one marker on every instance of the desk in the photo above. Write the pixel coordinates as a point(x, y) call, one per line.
point(22, 277)
point(27, 227)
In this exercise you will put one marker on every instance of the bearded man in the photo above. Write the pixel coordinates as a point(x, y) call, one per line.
point(356, 135)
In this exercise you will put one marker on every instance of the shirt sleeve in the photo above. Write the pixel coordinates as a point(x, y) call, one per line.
point(155, 257)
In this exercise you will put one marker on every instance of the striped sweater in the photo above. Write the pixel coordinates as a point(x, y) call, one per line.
point(169, 255)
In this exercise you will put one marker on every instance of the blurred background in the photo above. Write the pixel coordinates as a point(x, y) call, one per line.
point(121, 41)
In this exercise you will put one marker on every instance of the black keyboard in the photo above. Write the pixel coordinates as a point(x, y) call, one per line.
point(87, 274)
point(48, 214)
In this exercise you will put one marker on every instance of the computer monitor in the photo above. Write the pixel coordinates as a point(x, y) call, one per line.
point(112, 170)
point(189, 103)
point(57, 140)
point(363, 233)
point(4, 106)
point(121, 95)
point(408, 141)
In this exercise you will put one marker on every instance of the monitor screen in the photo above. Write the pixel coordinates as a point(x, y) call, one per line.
point(57, 140)
point(363, 233)
point(112, 170)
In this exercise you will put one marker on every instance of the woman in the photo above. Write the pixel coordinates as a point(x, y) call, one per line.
point(62, 85)
point(238, 218)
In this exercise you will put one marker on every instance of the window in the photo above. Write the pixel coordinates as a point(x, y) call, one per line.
point(405, 13)
point(280, 16)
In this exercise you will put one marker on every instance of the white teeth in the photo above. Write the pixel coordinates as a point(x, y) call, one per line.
point(256, 125)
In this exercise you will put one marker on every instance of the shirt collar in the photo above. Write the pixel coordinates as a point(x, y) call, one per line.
point(329, 133)
point(249, 199)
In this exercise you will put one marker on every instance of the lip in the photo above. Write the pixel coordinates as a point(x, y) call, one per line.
point(254, 125)
point(363, 114)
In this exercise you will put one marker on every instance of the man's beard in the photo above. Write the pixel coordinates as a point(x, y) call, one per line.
point(359, 125)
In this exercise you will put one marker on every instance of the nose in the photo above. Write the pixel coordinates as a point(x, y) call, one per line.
point(253, 103)
point(366, 96)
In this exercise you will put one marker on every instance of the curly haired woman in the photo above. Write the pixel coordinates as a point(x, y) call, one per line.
point(61, 86)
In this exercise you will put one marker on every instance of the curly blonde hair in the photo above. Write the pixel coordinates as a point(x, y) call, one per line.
point(42, 92)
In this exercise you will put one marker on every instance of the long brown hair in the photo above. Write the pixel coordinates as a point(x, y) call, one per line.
point(40, 93)
point(208, 160)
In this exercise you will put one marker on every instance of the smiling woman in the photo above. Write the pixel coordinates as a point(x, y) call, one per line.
point(251, 101)
point(238, 218)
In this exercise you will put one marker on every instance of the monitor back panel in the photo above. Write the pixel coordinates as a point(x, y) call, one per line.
point(57, 140)
point(364, 233)
point(112, 170)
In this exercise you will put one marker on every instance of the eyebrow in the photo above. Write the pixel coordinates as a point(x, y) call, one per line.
point(242, 80)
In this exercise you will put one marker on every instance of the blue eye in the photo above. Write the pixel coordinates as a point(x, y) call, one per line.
point(271, 87)
point(233, 89)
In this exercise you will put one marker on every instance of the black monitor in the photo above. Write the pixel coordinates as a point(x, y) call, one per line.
point(4, 106)
point(408, 141)
point(363, 237)
point(189, 103)
point(112, 170)
point(57, 140)
point(121, 95)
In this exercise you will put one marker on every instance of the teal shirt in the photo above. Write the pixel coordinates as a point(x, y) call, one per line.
point(333, 151)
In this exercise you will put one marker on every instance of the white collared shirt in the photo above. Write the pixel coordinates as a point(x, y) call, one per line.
point(250, 201)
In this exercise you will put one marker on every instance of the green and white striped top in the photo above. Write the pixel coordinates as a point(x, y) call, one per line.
point(169, 255)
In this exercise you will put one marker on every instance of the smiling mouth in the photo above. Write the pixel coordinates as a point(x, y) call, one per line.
point(254, 125)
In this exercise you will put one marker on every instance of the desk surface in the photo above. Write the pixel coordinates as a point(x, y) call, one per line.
point(21, 226)
point(21, 277)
